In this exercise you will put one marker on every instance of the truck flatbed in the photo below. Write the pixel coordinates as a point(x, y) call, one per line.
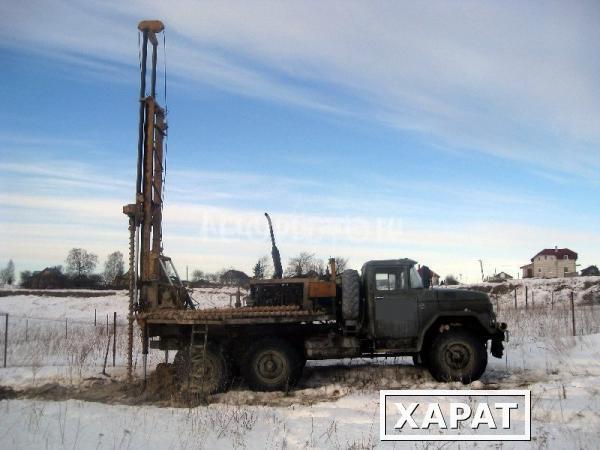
point(247, 315)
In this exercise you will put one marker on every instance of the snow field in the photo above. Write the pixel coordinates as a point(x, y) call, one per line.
point(336, 405)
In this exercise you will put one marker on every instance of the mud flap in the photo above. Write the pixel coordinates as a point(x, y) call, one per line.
point(497, 349)
point(497, 346)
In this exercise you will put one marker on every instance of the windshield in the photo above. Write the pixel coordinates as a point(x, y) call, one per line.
point(415, 278)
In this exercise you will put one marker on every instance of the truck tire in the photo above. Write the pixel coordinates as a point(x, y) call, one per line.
point(271, 364)
point(202, 376)
point(457, 355)
point(350, 295)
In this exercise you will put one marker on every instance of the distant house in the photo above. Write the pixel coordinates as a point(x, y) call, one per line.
point(590, 271)
point(551, 263)
point(49, 278)
point(234, 277)
point(499, 277)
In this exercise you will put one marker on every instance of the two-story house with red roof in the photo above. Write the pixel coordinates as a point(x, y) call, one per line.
point(551, 263)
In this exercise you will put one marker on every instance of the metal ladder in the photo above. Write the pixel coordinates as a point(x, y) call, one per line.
point(198, 339)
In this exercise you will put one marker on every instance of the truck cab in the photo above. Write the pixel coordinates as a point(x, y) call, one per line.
point(447, 330)
point(396, 302)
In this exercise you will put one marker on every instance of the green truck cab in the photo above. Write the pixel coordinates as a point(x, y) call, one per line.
point(447, 330)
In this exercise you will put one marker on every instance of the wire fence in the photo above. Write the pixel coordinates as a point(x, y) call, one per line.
point(31, 341)
point(76, 342)
point(532, 314)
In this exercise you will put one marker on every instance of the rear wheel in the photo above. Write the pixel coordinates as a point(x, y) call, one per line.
point(206, 373)
point(457, 355)
point(271, 364)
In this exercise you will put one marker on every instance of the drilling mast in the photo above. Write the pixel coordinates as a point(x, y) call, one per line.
point(153, 280)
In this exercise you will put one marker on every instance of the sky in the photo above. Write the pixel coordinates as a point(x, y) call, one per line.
point(446, 132)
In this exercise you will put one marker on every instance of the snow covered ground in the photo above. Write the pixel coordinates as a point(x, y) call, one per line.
point(335, 406)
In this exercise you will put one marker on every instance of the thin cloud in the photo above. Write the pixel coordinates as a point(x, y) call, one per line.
point(478, 78)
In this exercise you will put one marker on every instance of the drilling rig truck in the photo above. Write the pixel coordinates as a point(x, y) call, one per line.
point(383, 310)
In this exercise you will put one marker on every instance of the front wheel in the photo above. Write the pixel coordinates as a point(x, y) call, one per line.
point(271, 364)
point(457, 355)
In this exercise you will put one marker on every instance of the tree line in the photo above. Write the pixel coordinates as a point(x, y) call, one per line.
point(304, 264)
point(80, 266)
point(78, 272)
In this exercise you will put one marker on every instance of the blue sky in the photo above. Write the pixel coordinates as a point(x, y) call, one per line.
point(445, 132)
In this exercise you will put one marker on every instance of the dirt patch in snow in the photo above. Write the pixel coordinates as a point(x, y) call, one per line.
point(103, 390)
point(318, 384)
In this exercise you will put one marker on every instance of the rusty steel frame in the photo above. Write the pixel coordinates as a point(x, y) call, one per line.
point(145, 215)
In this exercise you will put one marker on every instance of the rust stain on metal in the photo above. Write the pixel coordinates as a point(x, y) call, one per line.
point(321, 289)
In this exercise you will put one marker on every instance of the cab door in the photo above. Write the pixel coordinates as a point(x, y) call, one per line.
point(396, 305)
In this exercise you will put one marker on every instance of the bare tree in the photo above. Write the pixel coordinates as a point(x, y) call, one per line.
point(113, 267)
point(80, 262)
point(299, 265)
point(216, 276)
point(198, 275)
point(7, 275)
point(305, 263)
point(318, 267)
point(341, 264)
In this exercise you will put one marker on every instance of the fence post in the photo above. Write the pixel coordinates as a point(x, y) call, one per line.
point(552, 300)
point(106, 355)
point(532, 299)
point(26, 329)
point(107, 330)
point(526, 294)
point(5, 336)
point(94, 316)
point(114, 337)
point(66, 328)
point(573, 312)
point(515, 297)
